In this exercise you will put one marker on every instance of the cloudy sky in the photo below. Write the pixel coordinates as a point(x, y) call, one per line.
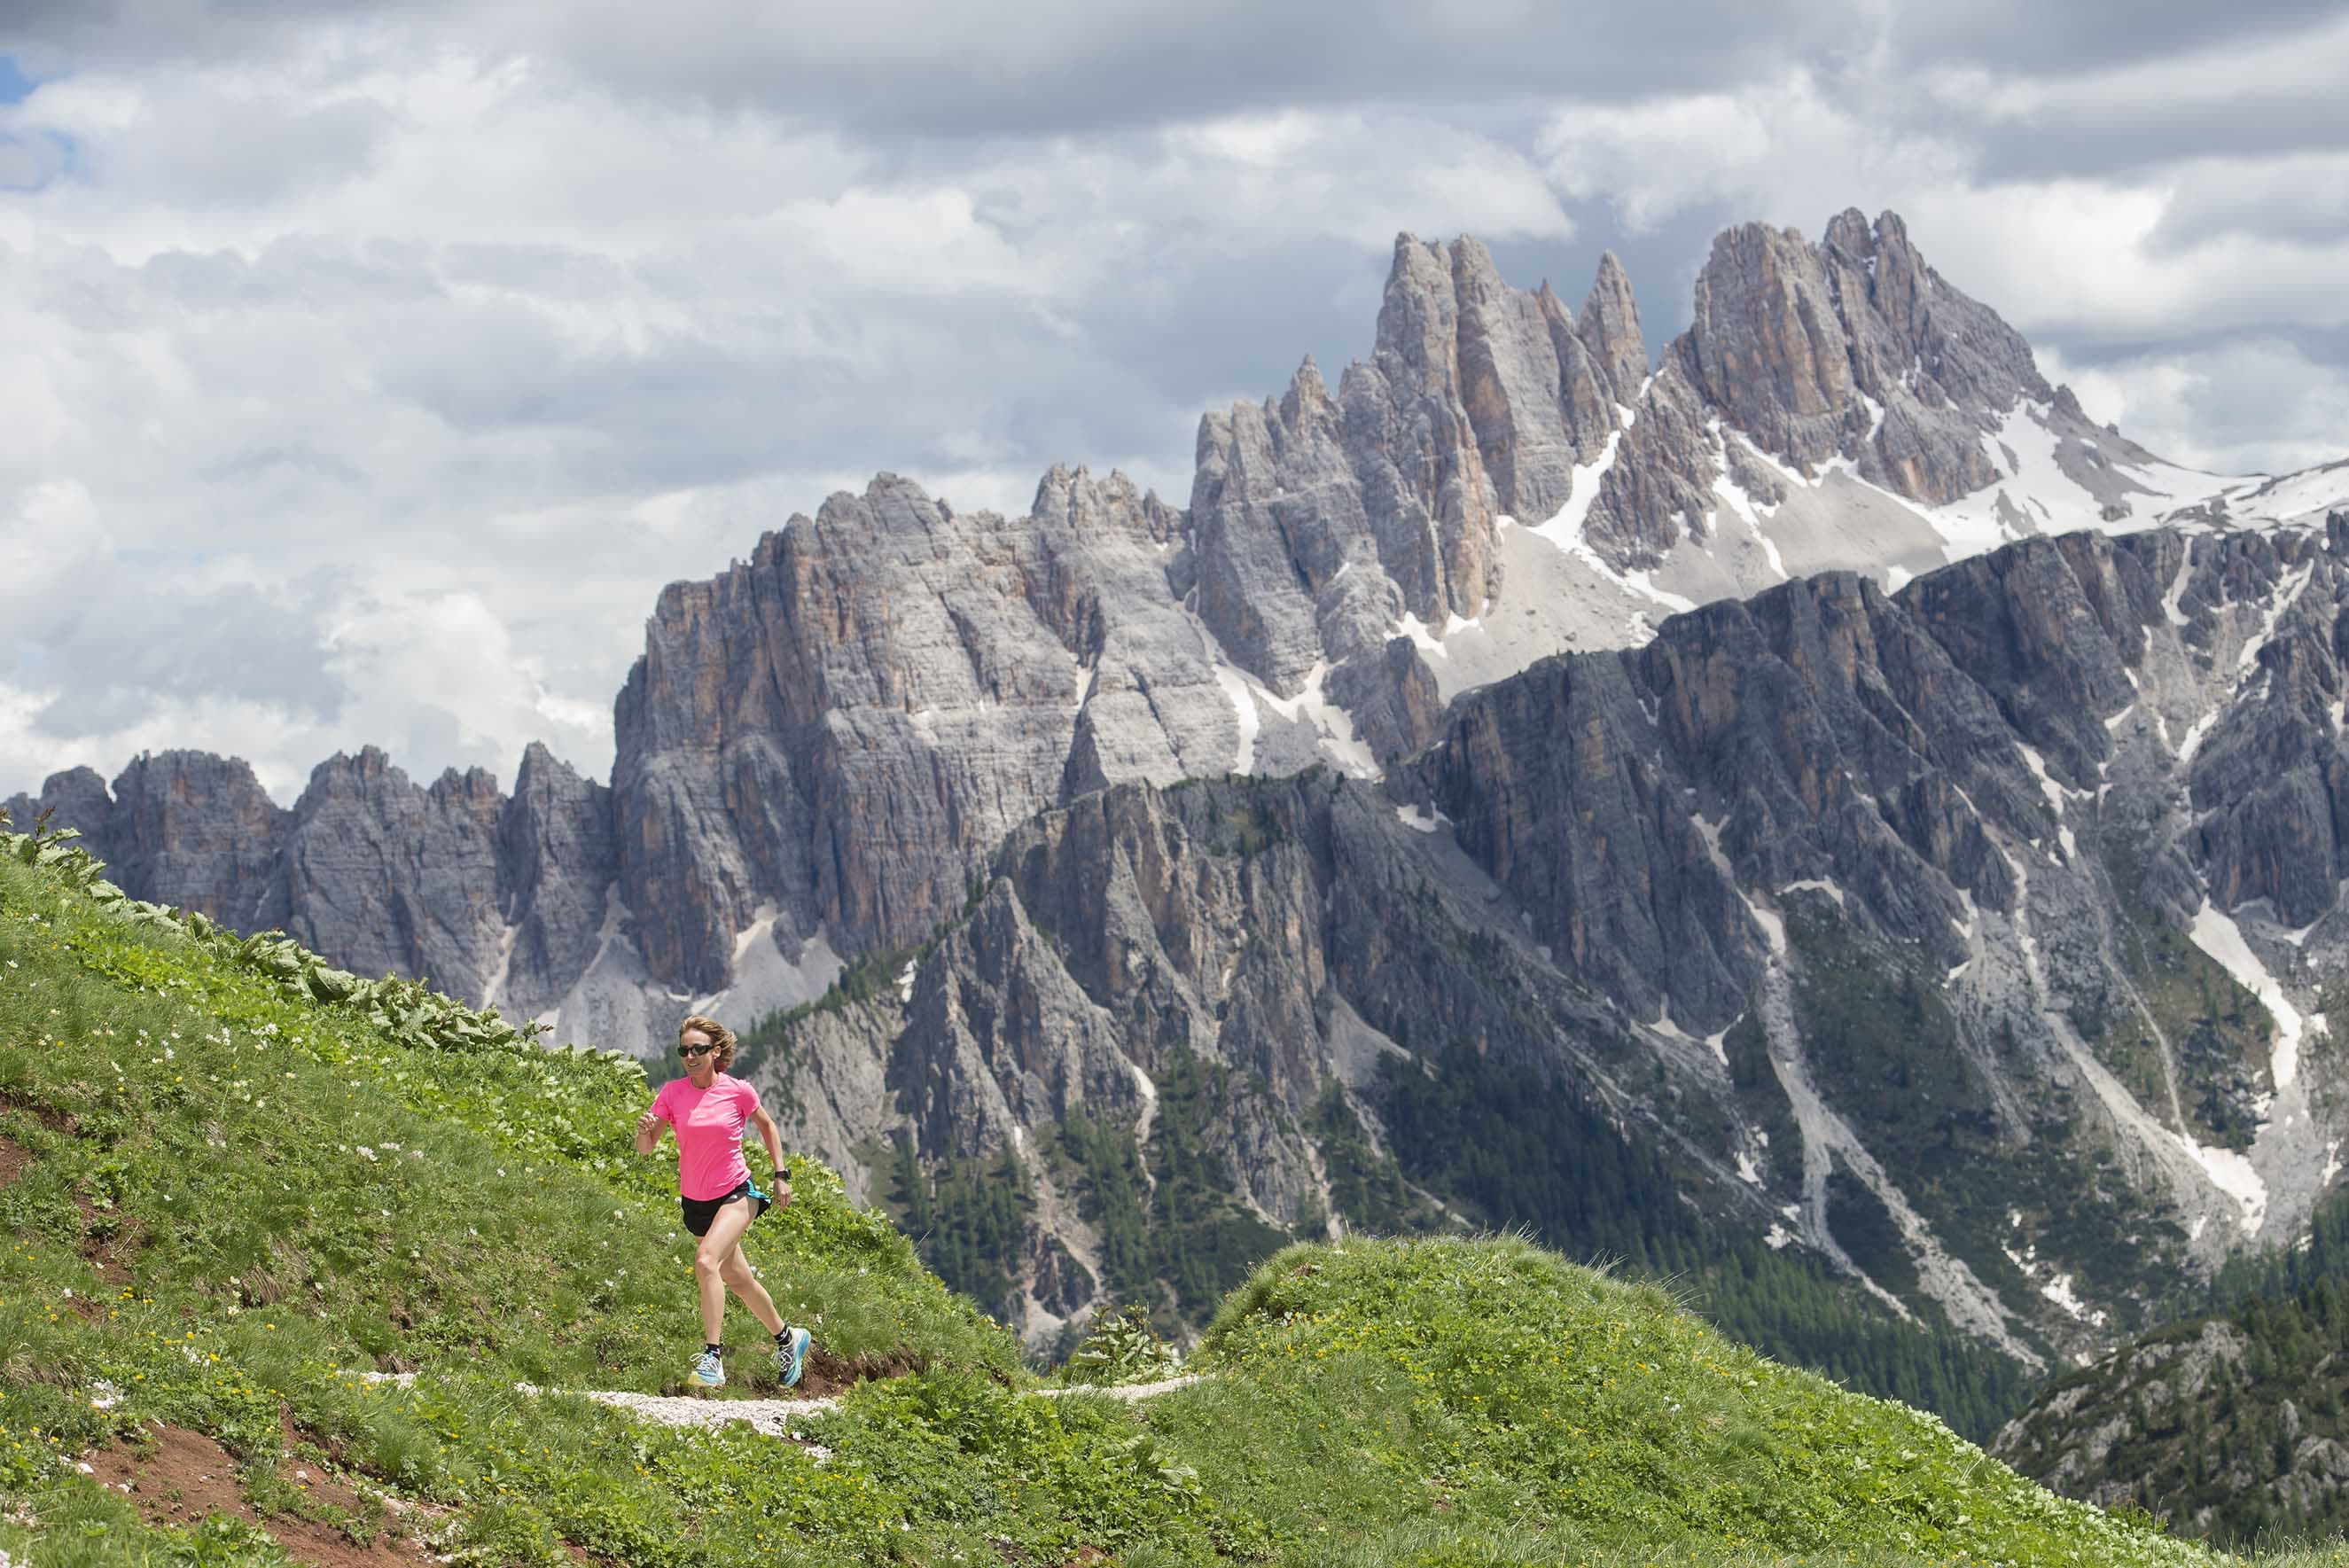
point(364, 379)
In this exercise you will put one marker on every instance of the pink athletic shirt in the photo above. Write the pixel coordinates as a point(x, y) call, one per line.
point(709, 1124)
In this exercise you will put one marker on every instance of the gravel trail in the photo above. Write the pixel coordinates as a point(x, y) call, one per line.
point(773, 1416)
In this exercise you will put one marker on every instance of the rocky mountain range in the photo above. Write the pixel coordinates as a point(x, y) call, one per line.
point(1889, 921)
point(1907, 814)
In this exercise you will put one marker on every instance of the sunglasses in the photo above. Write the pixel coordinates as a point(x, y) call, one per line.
point(690, 1052)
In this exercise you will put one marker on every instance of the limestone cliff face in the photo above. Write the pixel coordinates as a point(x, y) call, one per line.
point(1852, 348)
point(395, 880)
point(1275, 940)
point(198, 829)
point(840, 730)
point(74, 798)
point(493, 899)
point(557, 866)
point(1320, 521)
point(2081, 794)
point(1609, 332)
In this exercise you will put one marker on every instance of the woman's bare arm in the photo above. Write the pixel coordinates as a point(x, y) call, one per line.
point(648, 1132)
point(774, 1139)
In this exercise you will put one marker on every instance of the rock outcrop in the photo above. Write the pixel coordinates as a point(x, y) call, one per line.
point(184, 827)
point(394, 880)
point(1853, 355)
point(557, 870)
point(2227, 1427)
point(491, 898)
point(1321, 521)
point(1273, 940)
point(837, 731)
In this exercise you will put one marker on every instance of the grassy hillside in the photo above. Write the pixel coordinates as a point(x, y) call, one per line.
point(234, 1182)
point(1515, 1149)
point(1490, 1392)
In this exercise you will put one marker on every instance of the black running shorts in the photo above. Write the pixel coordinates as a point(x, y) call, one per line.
point(699, 1212)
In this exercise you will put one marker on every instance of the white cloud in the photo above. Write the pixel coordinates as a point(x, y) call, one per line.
point(2157, 253)
point(2255, 406)
point(1786, 150)
point(1360, 177)
point(2227, 75)
point(29, 161)
point(489, 698)
point(2292, 195)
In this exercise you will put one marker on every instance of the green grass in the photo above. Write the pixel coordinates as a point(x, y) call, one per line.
point(239, 1180)
point(1488, 1390)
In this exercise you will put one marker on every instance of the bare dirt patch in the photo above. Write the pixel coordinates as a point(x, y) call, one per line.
point(823, 1375)
point(184, 1476)
point(106, 1242)
point(48, 1116)
point(12, 1161)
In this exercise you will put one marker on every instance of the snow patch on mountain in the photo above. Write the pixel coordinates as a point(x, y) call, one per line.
point(2217, 934)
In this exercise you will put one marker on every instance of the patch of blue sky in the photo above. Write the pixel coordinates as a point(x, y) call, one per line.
point(30, 156)
point(15, 84)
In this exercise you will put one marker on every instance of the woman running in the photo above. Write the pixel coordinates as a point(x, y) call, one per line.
point(710, 1109)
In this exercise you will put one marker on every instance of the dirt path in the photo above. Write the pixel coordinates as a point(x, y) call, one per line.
point(774, 1417)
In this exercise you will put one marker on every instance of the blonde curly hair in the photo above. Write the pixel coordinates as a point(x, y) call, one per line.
point(719, 1035)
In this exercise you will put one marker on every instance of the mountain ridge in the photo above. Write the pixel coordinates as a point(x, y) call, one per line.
point(1687, 873)
point(1345, 565)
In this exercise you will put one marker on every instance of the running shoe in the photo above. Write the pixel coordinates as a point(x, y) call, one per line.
point(790, 1355)
point(708, 1372)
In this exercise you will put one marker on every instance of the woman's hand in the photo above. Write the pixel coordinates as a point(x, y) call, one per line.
point(782, 1191)
point(648, 1127)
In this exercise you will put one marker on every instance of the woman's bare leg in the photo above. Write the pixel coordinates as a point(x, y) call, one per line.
point(736, 1272)
point(723, 1241)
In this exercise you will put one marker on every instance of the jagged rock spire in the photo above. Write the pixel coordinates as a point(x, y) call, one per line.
point(1610, 329)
